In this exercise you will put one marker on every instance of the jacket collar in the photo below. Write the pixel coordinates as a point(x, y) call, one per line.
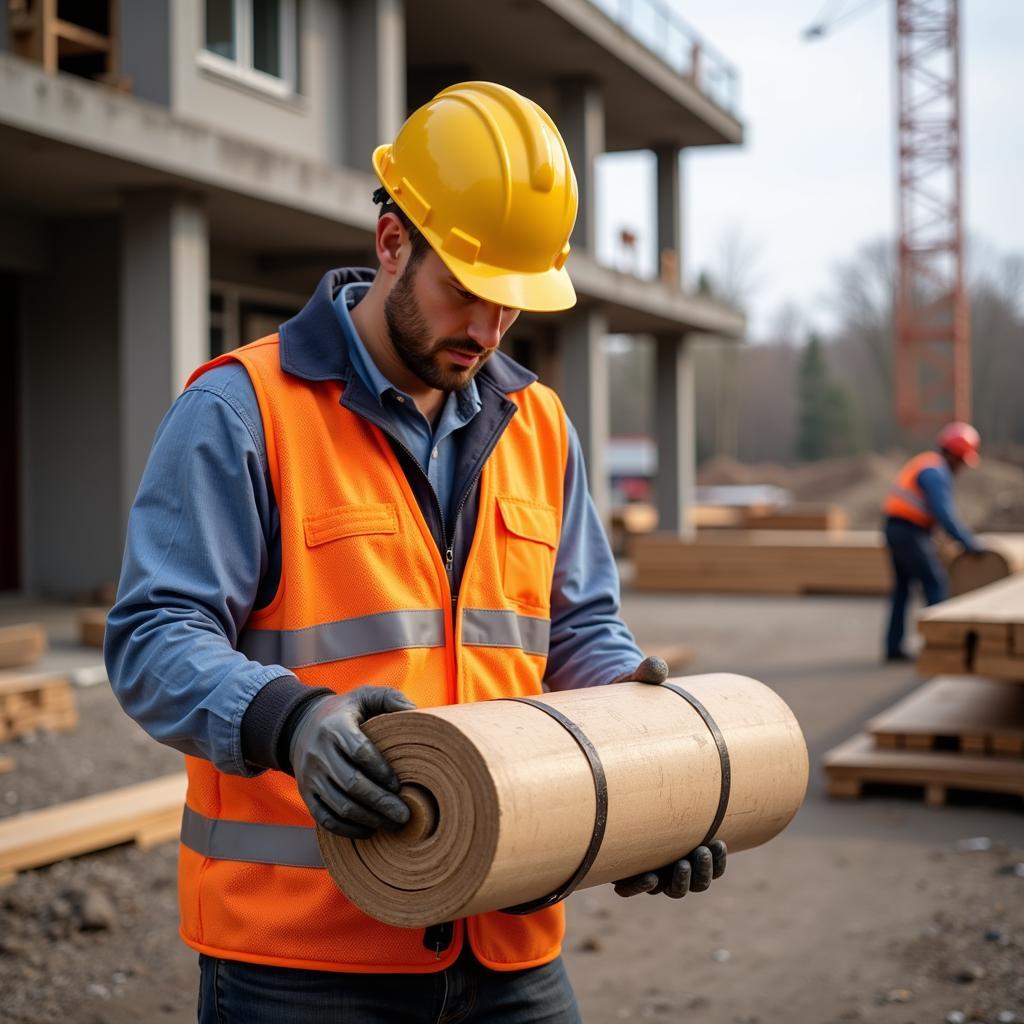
point(313, 344)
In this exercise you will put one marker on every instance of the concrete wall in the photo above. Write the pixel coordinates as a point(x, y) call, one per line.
point(311, 124)
point(69, 350)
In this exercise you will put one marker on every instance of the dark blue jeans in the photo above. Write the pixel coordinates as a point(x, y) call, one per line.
point(232, 992)
point(914, 558)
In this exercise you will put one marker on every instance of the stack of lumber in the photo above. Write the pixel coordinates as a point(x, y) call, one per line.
point(21, 645)
point(147, 814)
point(1003, 556)
point(764, 562)
point(92, 625)
point(953, 733)
point(718, 517)
point(981, 632)
point(30, 702)
point(796, 517)
point(964, 732)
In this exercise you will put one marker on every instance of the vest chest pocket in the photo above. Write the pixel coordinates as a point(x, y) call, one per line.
point(527, 548)
point(349, 521)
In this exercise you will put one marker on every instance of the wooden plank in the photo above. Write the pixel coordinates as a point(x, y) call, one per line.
point(851, 765)
point(796, 517)
point(934, 661)
point(22, 644)
point(1017, 643)
point(92, 625)
point(999, 667)
point(973, 715)
point(763, 561)
point(144, 811)
point(999, 602)
point(6, 764)
point(35, 701)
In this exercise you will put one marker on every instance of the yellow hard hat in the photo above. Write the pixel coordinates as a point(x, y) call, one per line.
point(485, 176)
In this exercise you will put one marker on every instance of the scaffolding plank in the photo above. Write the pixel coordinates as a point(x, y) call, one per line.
point(22, 644)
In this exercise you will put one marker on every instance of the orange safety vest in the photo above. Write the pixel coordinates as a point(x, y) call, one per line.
point(906, 500)
point(364, 598)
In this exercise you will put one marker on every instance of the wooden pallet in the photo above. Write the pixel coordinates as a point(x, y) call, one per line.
point(981, 632)
point(30, 702)
point(92, 626)
point(21, 645)
point(147, 814)
point(763, 562)
point(955, 713)
point(856, 763)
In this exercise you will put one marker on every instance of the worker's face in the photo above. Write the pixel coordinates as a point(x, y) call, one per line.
point(442, 332)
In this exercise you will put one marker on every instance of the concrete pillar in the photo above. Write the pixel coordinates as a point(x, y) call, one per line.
point(669, 215)
point(581, 122)
point(585, 394)
point(375, 76)
point(675, 433)
point(164, 331)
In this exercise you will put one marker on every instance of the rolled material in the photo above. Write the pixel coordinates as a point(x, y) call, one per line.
point(504, 801)
point(1003, 556)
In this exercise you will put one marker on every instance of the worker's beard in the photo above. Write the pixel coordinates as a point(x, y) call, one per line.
point(410, 335)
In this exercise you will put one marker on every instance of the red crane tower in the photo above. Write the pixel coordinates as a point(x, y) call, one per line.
point(932, 360)
point(932, 322)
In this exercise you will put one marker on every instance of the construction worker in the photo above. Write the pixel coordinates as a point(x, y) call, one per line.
point(372, 510)
point(921, 497)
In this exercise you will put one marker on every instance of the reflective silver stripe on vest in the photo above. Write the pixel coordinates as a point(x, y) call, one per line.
point(291, 845)
point(348, 638)
point(910, 498)
point(485, 627)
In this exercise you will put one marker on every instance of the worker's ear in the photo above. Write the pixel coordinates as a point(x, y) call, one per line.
point(391, 239)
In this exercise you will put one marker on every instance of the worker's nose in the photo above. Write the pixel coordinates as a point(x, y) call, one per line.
point(485, 328)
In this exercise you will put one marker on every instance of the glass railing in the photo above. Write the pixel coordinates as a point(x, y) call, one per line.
point(659, 27)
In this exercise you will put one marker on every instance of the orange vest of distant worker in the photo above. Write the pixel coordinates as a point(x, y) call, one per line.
point(906, 500)
point(364, 598)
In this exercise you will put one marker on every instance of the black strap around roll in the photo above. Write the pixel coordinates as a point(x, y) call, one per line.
point(600, 814)
point(723, 754)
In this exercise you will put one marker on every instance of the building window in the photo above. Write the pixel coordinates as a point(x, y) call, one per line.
point(254, 41)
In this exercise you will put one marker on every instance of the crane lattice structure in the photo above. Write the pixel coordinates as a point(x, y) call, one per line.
point(932, 324)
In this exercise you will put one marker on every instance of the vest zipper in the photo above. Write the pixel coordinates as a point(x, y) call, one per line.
point(438, 937)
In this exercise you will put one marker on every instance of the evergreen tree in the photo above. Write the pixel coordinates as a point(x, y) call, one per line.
point(812, 429)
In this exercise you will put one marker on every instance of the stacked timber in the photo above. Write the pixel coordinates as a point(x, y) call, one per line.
point(764, 562)
point(146, 814)
point(30, 702)
point(798, 516)
point(21, 645)
point(981, 632)
point(964, 732)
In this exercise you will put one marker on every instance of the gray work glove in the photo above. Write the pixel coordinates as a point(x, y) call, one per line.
point(692, 873)
point(652, 670)
point(344, 779)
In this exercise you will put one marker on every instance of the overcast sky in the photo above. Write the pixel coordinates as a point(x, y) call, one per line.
point(815, 177)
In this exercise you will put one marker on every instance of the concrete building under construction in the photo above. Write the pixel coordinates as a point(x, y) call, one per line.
point(176, 176)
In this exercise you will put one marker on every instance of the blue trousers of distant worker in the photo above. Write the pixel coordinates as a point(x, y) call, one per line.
point(232, 992)
point(914, 558)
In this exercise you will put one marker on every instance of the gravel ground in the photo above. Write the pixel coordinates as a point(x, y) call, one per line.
point(871, 910)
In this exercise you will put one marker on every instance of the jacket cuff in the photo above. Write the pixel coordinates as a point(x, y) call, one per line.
point(268, 722)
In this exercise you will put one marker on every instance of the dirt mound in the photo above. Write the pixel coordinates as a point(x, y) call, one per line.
point(989, 498)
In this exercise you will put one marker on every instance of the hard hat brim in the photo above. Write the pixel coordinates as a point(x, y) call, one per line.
point(547, 292)
point(971, 458)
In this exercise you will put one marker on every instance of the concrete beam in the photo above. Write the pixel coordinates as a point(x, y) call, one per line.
point(375, 76)
point(164, 320)
point(584, 393)
point(675, 433)
point(581, 122)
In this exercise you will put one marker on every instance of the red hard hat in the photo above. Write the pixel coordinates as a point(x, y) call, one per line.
point(962, 440)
